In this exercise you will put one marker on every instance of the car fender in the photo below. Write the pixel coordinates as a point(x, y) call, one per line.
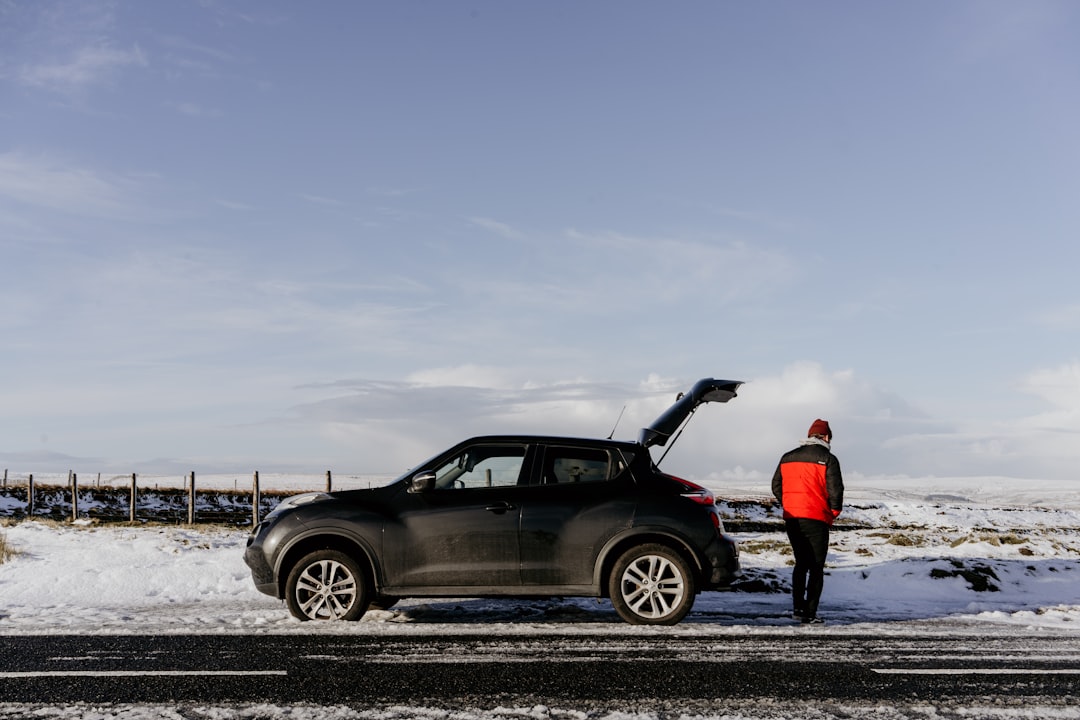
point(640, 535)
point(336, 536)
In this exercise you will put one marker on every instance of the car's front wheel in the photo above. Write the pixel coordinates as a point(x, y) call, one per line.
point(327, 585)
point(652, 585)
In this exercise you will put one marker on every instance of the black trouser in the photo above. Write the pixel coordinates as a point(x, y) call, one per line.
point(810, 543)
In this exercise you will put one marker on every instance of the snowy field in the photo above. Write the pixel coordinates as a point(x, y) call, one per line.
point(984, 558)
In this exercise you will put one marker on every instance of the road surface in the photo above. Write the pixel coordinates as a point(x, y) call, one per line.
point(687, 674)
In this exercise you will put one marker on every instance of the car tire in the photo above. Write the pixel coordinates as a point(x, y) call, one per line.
point(651, 585)
point(327, 585)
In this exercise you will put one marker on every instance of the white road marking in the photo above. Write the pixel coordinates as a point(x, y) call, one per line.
point(136, 673)
point(977, 671)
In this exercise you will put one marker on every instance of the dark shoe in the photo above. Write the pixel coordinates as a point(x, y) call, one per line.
point(797, 613)
point(811, 620)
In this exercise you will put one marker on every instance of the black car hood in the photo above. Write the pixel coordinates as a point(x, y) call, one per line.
point(706, 390)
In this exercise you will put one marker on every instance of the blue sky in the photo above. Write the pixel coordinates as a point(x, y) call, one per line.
point(288, 236)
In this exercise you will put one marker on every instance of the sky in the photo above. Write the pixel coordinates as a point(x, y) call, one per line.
point(344, 235)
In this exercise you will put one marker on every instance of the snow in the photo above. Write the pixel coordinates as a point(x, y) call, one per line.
point(911, 562)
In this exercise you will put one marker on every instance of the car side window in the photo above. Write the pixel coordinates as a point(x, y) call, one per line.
point(482, 466)
point(564, 465)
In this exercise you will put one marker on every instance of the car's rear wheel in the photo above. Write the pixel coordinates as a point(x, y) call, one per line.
point(652, 585)
point(327, 585)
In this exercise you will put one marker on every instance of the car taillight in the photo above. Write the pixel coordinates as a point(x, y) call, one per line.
point(700, 495)
point(717, 522)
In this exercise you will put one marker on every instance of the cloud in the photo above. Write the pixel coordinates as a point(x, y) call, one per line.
point(232, 205)
point(205, 52)
point(501, 229)
point(1064, 318)
point(471, 376)
point(439, 407)
point(386, 426)
point(559, 285)
point(1050, 438)
point(1058, 386)
point(46, 182)
point(194, 110)
point(877, 431)
point(91, 65)
point(727, 270)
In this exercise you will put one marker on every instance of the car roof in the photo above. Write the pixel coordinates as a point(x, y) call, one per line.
point(552, 440)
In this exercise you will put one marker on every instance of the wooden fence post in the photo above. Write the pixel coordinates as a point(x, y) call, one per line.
point(329, 484)
point(134, 497)
point(5, 478)
point(256, 501)
point(191, 500)
point(30, 496)
point(74, 496)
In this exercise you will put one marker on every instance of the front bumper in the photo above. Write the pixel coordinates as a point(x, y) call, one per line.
point(260, 543)
point(261, 573)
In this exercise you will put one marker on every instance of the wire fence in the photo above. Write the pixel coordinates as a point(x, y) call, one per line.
point(211, 498)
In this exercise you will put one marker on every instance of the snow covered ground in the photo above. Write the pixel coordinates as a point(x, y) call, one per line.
point(916, 556)
point(986, 558)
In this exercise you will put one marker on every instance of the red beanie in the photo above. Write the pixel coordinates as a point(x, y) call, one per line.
point(820, 427)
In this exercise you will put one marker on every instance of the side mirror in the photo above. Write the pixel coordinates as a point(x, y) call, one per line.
point(422, 483)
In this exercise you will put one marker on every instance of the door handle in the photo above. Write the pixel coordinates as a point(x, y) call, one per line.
point(499, 508)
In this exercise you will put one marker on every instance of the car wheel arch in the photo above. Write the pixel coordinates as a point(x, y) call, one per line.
point(618, 545)
point(324, 540)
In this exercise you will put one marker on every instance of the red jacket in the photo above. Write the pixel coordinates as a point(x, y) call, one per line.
point(808, 483)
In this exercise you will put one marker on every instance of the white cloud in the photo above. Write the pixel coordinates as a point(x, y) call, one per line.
point(444, 405)
point(726, 270)
point(194, 110)
point(473, 376)
point(1050, 438)
point(91, 65)
point(389, 425)
point(182, 44)
point(50, 183)
point(321, 200)
point(1059, 386)
point(738, 443)
point(501, 229)
point(1064, 318)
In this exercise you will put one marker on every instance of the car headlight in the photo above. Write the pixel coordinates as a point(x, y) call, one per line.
point(296, 501)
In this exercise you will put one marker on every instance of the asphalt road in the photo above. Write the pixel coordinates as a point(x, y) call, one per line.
point(692, 672)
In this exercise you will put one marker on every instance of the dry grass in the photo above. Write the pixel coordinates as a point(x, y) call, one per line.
point(6, 551)
point(753, 547)
point(995, 539)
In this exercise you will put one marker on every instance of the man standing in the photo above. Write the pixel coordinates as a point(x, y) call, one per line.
point(808, 485)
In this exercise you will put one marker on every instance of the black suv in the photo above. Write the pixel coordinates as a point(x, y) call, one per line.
point(513, 515)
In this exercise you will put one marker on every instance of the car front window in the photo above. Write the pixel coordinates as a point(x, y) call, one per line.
point(482, 466)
